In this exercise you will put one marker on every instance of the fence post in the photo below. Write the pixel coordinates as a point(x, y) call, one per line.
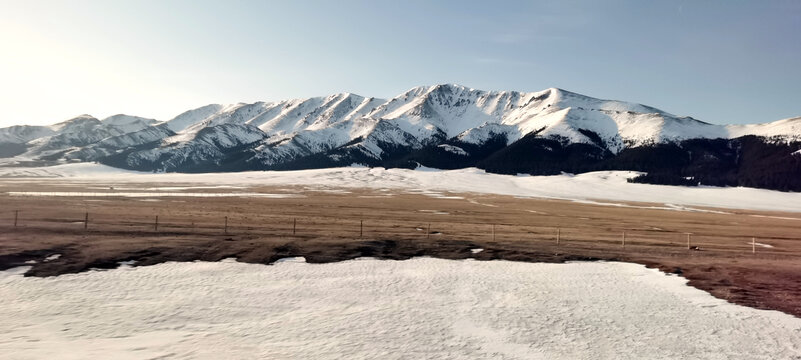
point(294, 226)
point(493, 232)
point(156, 225)
point(86, 221)
point(558, 235)
point(361, 229)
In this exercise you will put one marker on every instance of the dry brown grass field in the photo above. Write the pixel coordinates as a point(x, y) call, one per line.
point(333, 225)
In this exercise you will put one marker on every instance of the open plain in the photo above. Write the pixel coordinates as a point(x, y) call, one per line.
point(58, 226)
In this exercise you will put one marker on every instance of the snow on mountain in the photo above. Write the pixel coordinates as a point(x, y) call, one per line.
point(211, 145)
point(449, 110)
point(453, 149)
point(192, 117)
point(311, 141)
point(117, 144)
point(127, 123)
point(291, 116)
point(86, 130)
point(457, 111)
point(345, 123)
point(20, 134)
point(483, 133)
point(790, 128)
point(75, 123)
point(79, 131)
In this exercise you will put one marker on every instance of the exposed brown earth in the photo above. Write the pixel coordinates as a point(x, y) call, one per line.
point(396, 226)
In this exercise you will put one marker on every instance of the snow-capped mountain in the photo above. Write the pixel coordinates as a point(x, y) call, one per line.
point(446, 125)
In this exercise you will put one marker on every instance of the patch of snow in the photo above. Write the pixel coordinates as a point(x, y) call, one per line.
point(444, 197)
point(537, 212)
point(473, 201)
point(366, 308)
point(476, 251)
point(127, 264)
point(332, 191)
point(53, 257)
point(435, 212)
point(181, 188)
point(65, 170)
point(776, 217)
point(666, 207)
point(426, 168)
point(192, 117)
point(296, 260)
point(453, 149)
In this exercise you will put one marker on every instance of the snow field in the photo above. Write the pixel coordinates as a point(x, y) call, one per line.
point(602, 185)
point(365, 308)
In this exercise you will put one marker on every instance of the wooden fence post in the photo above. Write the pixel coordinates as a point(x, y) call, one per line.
point(156, 225)
point(361, 229)
point(86, 221)
point(558, 235)
point(294, 226)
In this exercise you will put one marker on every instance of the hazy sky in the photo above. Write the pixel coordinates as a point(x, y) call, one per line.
point(719, 61)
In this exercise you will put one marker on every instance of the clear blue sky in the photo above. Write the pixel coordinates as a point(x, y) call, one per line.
point(719, 61)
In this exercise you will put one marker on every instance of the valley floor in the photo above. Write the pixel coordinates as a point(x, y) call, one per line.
point(609, 186)
point(75, 221)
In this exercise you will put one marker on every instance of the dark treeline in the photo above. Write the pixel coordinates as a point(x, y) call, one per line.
point(749, 161)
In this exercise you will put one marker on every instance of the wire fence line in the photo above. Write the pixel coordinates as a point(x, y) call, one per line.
point(322, 226)
point(138, 194)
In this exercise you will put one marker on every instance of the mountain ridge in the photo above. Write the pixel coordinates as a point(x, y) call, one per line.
point(446, 124)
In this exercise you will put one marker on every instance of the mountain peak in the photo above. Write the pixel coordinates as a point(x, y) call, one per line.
point(80, 120)
point(451, 86)
point(122, 119)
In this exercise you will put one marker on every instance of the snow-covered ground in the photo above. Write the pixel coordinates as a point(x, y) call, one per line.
point(609, 186)
point(419, 308)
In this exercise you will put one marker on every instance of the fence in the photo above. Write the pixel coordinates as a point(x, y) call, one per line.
point(329, 226)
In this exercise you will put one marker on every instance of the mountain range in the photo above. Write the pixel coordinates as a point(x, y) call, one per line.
point(443, 126)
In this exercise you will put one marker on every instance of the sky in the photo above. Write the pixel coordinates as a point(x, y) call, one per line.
point(722, 62)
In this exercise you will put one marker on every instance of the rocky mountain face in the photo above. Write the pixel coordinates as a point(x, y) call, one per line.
point(443, 126)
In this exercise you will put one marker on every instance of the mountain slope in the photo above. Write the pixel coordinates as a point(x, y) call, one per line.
point(443, 125)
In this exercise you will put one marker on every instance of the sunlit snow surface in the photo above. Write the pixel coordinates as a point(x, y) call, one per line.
point(601, 185)
point(420, 308)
